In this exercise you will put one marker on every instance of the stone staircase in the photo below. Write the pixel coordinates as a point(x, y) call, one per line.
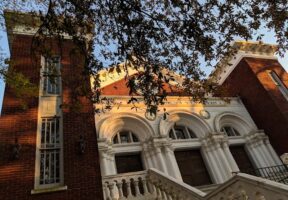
point(153, 184)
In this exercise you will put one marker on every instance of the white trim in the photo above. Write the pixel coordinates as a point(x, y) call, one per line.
point(240, 123)
point(190, 119)
point(279, 83)
point(227, 70)
point(47, 190)
point(44, 77)
point(108, 126)
point(45, 101)
point(31, 31)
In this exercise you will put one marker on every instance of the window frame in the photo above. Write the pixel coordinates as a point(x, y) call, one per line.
point(236, 133)
point(185, 130)
point(45, 79)
point(53, 145)
point(130, 138)
point(39, 148)
point(279, 83)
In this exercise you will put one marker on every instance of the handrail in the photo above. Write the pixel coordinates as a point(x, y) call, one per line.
point(160, 179)
point(277, 173)
point(154, 184)
point(251, 187)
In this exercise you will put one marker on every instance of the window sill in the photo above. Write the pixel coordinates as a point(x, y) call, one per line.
point(47, 190)
point(50, 95)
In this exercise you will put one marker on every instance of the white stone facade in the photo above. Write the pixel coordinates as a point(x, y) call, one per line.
point(205, 120)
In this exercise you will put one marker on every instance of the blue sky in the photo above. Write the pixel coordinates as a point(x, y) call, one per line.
point(268, 38)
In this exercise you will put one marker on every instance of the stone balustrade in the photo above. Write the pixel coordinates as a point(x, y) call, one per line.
point(130, 186)
point(244, 186)
point(169, 188)
point(153, 184)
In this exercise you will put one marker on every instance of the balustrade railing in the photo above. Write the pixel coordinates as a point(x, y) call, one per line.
point(245, 186)
point(127, 186)
point(155, 185)
point(278, 173)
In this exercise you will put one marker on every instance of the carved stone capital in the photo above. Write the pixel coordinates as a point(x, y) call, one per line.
point(214, 139)
point(256, 137)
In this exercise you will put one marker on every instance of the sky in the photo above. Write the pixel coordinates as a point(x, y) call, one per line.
point(268, 38)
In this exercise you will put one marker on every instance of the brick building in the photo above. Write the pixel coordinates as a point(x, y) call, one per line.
point(19, 178)
point(129, 154)
point(261, 82)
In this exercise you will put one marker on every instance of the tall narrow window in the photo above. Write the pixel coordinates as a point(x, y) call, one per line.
point(51, 75)
point(283, 89)
point(50, 151)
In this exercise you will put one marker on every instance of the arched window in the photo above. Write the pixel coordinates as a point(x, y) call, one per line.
point(230, 131)
point(125, 137)
point(181, 132)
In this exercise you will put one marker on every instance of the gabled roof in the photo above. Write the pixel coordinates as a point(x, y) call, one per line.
point(113, 81)
point(243, 49)
point(119, 88)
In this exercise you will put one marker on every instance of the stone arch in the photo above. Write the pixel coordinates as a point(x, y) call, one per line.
point(110, 125)
point(188, 119)
point(242, 125)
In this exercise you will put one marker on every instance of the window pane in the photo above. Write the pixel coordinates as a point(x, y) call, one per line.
point(50, 133)
point(135, 139)
point(171, 134)
point(51, 85)
point(192, 134)
point(192, 167)
point(51, 76)
point(236, 133)
point(115, 139)
point(49, 166)
point(124, 137)
point(128, 163)
point(179, 131)
point(230, 131)
point(278, 82)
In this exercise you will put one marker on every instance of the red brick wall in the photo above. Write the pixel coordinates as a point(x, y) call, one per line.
point(120, 88)
point(263, 100)
point(81, 172)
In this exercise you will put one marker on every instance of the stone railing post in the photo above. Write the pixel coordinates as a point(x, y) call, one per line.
point(120, 190)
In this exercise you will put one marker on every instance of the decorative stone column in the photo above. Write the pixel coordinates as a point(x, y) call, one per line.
point(151, 155)
point(161, 160)
point(254, 155)
point(112, 163)
point(171, 162)
point(158, 143)
point(220, 166)
point(147, 156)
point(263, 153)
point(107, 157)
point(230, 157)
point(276, 158)
point(103, 163)
point(224, 159)
point(103, 149)
point(212, 165)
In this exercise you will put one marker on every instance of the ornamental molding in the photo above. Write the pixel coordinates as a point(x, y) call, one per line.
point(243, 49)
point(256, 137)
point(244, 125)
point(214, 140)
point(122, 101)
point(183, 117)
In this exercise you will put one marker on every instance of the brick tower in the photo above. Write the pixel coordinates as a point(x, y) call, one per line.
point(259, 79)
point(47, 151)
